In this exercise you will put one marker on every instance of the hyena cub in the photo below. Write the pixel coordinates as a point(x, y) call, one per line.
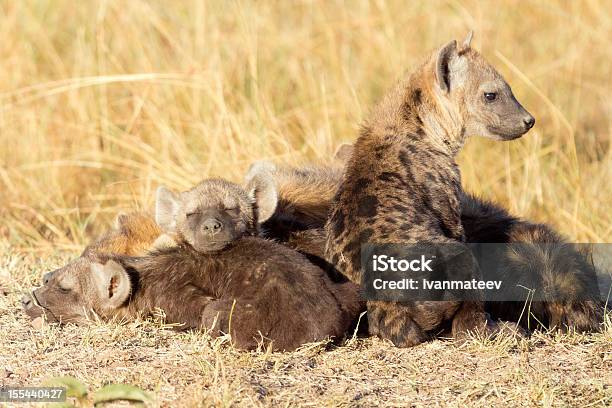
point(215, 276)
point(214, 213)
point(402, 184)
point(277, 291)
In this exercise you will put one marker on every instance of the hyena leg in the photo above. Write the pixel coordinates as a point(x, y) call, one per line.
point(216, 317)
point(225, 316)
point(392, 321)
point(470, 317)
point(584, 316)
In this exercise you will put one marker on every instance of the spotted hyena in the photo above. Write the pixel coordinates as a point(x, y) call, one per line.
point(402, 184)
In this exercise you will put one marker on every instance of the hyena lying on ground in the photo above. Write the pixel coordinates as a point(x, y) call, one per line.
point(277, 292)
point(70, 292)
point(565, 272)
point(216, 276)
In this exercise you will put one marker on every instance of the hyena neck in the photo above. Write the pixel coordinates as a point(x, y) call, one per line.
point(416, 112)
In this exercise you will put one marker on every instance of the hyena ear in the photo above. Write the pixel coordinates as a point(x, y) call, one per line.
point(443, 63)
point(120, 220)
point(259, 167)
point(113, 283)
point(261, 188)
point(466, 43)
point(166, 209)
point(343, 152)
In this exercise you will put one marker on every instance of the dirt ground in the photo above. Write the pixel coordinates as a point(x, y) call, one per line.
point(190, 369)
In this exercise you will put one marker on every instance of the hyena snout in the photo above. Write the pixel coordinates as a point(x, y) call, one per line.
point(27, 302)
point(211, 230)
point(507, 120)
point(529, 121)
point(515, 122)
point(47, 277)
point(212, 226)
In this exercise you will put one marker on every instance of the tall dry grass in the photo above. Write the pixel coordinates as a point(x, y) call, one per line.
point(102, 101)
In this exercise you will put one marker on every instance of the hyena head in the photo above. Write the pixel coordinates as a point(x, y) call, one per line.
point(215, 212)
point(69, 294)
point(79, 291)
point(465, 81)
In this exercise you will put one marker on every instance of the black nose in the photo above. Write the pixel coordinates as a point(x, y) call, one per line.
point(47, 277)
point(26, 302)
point(212, 226)
point(529, 122)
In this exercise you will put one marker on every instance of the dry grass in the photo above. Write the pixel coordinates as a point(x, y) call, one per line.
point(190, 369)
point(102, 101)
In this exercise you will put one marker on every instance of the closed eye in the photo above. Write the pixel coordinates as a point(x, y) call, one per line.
point(233, 211)
point(64, 290)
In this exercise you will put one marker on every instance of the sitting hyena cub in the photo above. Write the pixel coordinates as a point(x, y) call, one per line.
point(402, 184)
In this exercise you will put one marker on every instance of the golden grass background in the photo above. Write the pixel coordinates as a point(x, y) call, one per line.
point(102, 101)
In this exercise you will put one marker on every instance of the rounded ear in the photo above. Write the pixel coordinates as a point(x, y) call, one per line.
point(343, 152)
point(443, 61)
point(261, 188)
point(166, 209)
point(113, 283)
point(120, 221)
point(259, 167)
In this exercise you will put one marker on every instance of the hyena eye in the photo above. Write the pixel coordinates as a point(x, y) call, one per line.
point(490, 96)
point(235, 211)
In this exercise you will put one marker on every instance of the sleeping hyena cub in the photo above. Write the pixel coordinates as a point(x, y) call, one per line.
point(258, 286)
point(402, 184)
point(214, 213)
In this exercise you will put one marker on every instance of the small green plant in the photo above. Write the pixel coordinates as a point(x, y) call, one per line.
point(77, 391)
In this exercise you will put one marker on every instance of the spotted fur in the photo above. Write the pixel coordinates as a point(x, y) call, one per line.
point(402, 184)
point(482, 221)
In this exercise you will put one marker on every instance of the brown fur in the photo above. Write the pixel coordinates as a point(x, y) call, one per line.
point(402, 184)
point(304, 195)
point(482, 221)
point(256, 289)
point(134, 234)
point(260, 290)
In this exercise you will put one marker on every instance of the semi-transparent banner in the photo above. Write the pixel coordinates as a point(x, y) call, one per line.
point(492, 272)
